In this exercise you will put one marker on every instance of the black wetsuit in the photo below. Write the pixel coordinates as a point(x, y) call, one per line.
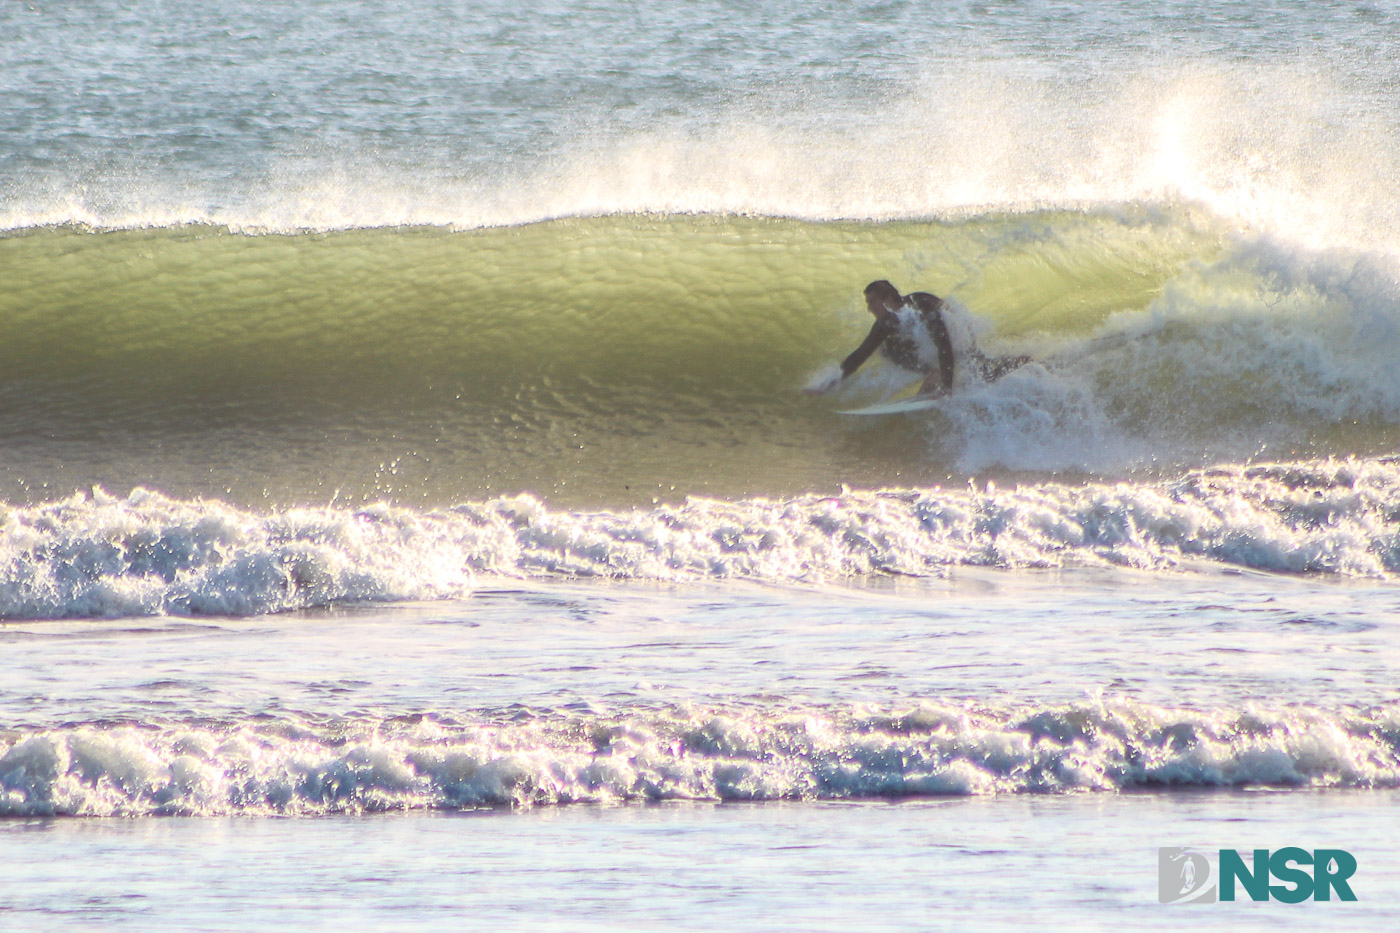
point(896, 345)
point(900, 348)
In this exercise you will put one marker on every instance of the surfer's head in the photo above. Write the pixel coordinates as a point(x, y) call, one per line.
point(882, 298)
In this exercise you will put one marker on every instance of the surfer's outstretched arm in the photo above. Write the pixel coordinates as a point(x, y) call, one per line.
point(858, 356)
point(867, 348)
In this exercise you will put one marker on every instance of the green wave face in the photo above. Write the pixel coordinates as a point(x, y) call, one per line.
point(597, 360)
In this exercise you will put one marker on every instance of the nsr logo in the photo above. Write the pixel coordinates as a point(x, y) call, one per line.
point(1184, 875)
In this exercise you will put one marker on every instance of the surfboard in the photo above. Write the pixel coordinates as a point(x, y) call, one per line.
point(897, 407)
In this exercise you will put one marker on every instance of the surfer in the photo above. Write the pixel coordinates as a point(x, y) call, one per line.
point(904, 326)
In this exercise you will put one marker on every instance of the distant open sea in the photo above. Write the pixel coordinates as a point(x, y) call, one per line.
point(411, 516)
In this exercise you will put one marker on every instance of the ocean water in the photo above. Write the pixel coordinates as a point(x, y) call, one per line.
point(411, 513)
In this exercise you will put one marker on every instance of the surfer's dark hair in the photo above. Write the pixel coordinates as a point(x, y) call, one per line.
point(883, 291)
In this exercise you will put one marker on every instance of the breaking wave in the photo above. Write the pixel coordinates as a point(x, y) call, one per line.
point(299, 766)
point(98, 555)
point(612, 360)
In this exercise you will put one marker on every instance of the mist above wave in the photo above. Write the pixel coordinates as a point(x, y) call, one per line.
point(1301, 149)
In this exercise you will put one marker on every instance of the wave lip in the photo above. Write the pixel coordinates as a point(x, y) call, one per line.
point(304, 768)
point(149, 554)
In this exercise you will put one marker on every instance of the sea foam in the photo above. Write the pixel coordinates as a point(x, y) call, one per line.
point(100, 555)
point(307, 767)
